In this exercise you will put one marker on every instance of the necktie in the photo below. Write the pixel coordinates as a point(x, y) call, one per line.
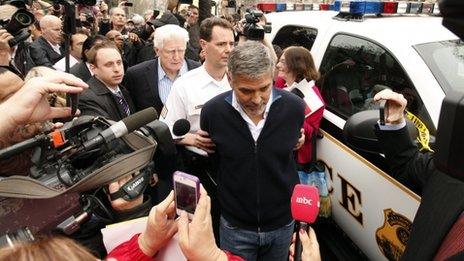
point(453, 242)
point(122, 102)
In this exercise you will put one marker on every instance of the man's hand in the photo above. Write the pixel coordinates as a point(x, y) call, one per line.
point(309, 245)
point(161, 226)
point(196, 240)
point(121, 204)
point(200, 140)
point(301, 140)
point(396, 105)
point(5, 47)
point(29, 104)
point(133, 37)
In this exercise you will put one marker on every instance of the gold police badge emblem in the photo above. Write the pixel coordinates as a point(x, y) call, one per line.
point(393, 235)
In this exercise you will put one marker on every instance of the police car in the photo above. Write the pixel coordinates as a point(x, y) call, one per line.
point(357, 56)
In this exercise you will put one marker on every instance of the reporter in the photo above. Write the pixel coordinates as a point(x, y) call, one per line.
point(29, 104)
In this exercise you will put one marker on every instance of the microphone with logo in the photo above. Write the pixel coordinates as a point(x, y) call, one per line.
point(305, 208)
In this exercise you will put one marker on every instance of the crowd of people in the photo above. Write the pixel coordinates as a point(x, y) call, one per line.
point(251, 123)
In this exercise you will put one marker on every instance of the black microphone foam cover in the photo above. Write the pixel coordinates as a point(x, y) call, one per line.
point(140, 119)
point(181, 127)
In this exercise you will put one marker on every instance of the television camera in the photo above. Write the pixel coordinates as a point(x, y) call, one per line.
point(251, 29)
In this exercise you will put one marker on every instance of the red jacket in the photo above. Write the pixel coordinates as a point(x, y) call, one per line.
point(311, 126)
point(130, 251)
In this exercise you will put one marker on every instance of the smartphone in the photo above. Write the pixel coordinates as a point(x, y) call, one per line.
point(187, 192)
point(383, 105)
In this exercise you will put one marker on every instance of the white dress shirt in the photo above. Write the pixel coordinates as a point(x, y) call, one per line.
point(188, 95)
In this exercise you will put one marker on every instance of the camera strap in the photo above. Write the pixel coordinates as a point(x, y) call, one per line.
point(134, 187)
point(143, 151)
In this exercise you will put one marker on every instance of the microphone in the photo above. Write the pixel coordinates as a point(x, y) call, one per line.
point(121, 128)
point(181, 127)
point(305, 208)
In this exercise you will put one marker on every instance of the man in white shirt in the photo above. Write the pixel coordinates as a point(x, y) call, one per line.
point(195, 88)
point(47, 49)
point(75, 51)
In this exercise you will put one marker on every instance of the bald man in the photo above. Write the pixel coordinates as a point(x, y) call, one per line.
point(47, 50)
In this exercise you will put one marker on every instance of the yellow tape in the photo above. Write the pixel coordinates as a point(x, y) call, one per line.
point(424, 135)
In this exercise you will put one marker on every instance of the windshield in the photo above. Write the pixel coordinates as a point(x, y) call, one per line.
point(446, 61)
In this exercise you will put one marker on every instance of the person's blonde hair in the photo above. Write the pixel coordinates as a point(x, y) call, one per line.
point(47, 249)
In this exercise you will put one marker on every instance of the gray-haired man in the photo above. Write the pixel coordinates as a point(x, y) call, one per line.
point(255, 128)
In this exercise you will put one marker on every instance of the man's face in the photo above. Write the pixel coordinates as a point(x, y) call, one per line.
point(252, 94)
point(118, 17)
point(172, 54)
point(77, 42)
point(192, 17)
point(116, 37)
point(53, 32)
point(218, 49)
point(108, 67)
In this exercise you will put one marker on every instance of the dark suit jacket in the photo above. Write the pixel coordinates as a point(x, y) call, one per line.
point(42, 53)
point(442, 196)
point(97, 100)
point(81, 71)
point(141, 81)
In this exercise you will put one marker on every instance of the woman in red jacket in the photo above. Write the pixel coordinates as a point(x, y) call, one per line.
point(296, 66)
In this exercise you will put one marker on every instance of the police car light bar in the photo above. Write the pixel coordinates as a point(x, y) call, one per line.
point(356, 7)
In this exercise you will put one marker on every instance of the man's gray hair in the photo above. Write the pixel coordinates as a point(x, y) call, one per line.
point(250, 59)
point(169, 32)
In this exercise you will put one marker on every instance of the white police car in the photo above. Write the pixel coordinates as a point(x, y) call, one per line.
point(411, 54)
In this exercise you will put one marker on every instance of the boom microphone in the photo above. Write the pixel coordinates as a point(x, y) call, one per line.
point(121, 128)
point(305, 208)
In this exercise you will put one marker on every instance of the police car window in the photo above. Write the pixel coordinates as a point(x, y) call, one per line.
point(446, 61)
point(291, 35)
point(353, 70)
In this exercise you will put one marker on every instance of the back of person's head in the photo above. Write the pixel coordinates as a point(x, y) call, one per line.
point(206, 27)
point(89, 42)
point(169, 32)
point(300, 63)
point(47, 249)
point(251, 60)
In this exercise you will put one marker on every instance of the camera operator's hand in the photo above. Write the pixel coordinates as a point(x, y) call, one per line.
point(5, 48)
point(309, 245)
point(161, 226)
point(394, 113)
point(121, 204)
point(29, 104)
point(196, 239)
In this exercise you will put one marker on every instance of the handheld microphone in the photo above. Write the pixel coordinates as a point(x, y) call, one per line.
point(121, 128)
point(305, 208)
point(181, 127)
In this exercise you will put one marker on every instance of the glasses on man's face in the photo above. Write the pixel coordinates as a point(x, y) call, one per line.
point(172, 52)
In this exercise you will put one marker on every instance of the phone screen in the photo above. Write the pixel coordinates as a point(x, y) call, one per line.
point(186, 197)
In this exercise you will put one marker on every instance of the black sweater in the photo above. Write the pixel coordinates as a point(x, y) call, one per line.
point(255, 182)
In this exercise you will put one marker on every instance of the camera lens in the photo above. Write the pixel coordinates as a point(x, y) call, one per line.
point(23, 19)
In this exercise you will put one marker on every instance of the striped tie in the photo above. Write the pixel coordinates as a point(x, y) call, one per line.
point(122, 102)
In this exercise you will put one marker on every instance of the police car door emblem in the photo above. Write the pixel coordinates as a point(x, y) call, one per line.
point(393, 235)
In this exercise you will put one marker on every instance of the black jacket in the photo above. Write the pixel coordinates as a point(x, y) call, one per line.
point(255, 182)
point(141, 81)
point(442, 196)
point(42, 53)
point(80, 70)
point(97, 100)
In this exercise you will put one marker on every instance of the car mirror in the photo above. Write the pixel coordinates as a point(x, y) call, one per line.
point(359, 131)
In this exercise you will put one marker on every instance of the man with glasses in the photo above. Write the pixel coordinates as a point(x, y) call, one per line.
point(149, 83)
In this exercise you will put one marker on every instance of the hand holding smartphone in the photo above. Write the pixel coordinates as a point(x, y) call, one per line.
point(383, 110)
point(187, 192)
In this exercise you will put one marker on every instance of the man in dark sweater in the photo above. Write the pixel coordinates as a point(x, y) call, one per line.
point(255, 128)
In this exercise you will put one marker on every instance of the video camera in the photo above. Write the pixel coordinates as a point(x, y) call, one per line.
point(70, 163)
point(17, 25)
point(251, 29)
